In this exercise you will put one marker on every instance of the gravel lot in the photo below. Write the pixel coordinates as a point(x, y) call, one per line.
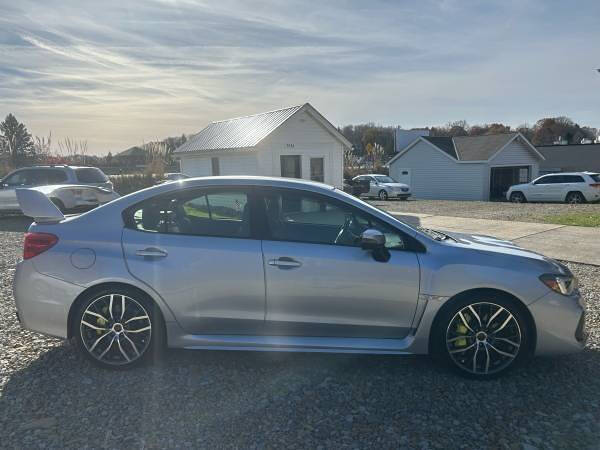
point(51, 397)
point(528, 212)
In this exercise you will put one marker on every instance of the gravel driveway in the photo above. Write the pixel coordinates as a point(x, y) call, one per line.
point(51, 397)
point(526, 212)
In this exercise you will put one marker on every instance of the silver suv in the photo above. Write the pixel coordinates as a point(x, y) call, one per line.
point(27, 177)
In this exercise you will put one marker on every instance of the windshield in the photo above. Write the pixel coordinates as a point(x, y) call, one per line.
point(384, 179)
point(90, 175)
point(596, 177)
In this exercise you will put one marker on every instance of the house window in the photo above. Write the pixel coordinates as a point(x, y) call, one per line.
point(317, 172)
point(216, 170)
point(291, 166)
point(524, 175)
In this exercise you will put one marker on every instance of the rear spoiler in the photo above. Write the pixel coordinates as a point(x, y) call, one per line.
point(36, 205)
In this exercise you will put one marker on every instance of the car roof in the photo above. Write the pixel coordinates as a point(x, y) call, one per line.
point(572, 173)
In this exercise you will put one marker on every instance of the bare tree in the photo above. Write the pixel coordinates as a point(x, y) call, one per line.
point(72, 149)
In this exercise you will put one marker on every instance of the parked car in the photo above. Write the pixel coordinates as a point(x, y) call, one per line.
point(271, 264)
point(71, 186)
point(571, 187)
point(356, 187)
point(384, 187)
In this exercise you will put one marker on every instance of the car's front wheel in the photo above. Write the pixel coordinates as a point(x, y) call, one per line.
point(118, 328)
point(383, 195)
point(517, 197)
point(483, 338)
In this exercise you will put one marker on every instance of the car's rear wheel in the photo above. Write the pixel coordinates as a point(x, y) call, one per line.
point(118, 328)
point(517, 197)
point(383, 195)
point(575, 198)
point(483, 338)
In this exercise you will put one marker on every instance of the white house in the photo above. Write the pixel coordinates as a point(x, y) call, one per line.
point(294, 142)
point(466, 167)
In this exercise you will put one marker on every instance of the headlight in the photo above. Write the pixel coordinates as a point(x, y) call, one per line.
point(563, 284)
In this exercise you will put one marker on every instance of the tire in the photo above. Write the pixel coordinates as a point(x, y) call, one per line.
point(575, 198)
point(502, 342)
point(518, 197)
point(59, 204)
point(101, 329)
point(383, 195)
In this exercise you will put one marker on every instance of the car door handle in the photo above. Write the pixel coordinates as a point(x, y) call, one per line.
point(152, 252)
point(285, 263)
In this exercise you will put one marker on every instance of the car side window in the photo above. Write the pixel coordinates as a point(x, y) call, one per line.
point(573, 179)
point(312, 218)
point(55, 176)
point(550, 179)
point(16, 179)
point(217, 213)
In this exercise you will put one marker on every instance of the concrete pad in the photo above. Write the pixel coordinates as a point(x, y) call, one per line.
point(576, 244)
point(498, 228)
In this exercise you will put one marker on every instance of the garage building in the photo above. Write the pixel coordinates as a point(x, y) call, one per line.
point(294, 142)
point(466, 167)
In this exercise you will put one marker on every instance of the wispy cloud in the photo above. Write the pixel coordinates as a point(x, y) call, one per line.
point(117, 73)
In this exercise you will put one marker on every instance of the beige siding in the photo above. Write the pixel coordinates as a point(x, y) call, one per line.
point(436, 176)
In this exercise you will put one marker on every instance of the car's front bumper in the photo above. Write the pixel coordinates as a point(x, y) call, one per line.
point(399, 194)
point(560, 323)
point(43, 302)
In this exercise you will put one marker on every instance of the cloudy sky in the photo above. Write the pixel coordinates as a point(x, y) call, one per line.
point(119, 72)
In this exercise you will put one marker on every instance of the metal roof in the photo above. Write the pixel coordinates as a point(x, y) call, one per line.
point(241, 132)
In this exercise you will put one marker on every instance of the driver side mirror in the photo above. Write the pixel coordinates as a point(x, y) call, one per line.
point(372, 239)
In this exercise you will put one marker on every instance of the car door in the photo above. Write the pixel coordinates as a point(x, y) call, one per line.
point(572, 183)
point(538, 189)
point(23, 178)
point(196, 249)
point(553, 190)
point(321, 283)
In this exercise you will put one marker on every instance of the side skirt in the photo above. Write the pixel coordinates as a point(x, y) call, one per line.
point(295, 344)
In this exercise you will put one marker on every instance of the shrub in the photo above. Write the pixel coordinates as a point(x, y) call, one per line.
point(126, 184)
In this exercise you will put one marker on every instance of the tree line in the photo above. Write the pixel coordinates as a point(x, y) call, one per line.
point(18, 148)
point(544, 132)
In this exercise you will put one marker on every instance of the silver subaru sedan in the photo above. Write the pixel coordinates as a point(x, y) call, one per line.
point(272, 264)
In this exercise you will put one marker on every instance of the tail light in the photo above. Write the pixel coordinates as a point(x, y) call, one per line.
point(36, 243)
point(596, 185)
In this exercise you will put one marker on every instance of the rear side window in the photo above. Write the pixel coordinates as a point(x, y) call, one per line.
point(218, 213)
point(90, 175)
point(55, 176)
point(572, 179)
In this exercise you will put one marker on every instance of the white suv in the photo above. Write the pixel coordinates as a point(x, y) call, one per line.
point(571, 187)
point(58, 183)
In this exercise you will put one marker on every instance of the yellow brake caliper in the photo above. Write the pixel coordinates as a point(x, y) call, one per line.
point(461, 329)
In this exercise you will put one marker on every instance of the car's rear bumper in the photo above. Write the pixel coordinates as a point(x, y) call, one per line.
point(43, 302)
point(560, 323)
